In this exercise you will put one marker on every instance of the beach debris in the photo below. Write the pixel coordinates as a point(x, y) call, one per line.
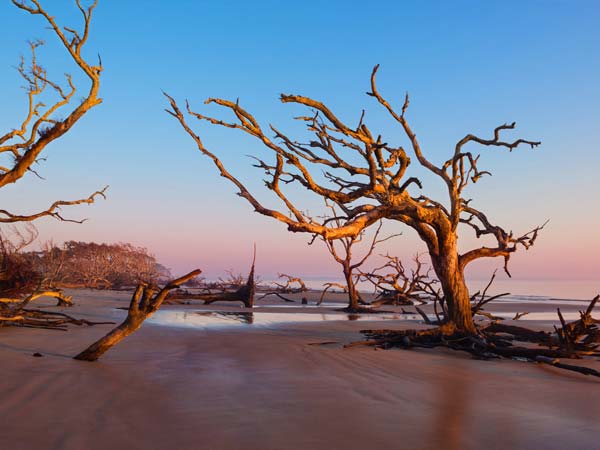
point(574, 340)
point(519, 315)
point(145, 301)
point(244, 293)
point(293, 285)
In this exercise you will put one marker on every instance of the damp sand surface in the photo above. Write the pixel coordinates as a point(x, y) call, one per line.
point(281, 385)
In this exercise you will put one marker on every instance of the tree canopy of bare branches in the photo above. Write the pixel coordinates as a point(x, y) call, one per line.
point(52, 108)
point(377, 187)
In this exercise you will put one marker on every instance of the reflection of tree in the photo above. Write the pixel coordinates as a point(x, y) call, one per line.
point(243, 317)
point(449, 424)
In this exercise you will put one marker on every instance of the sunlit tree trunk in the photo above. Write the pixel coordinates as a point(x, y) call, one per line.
point(456, 293)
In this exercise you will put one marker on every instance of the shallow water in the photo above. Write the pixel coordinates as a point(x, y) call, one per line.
point(212, 319)
point(220, 319)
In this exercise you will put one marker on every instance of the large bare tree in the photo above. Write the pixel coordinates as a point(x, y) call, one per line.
point(369, 180)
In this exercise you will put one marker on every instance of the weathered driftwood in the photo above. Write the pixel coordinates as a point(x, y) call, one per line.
point(495, 340)
point(244, 293)
point(14, 311)
point(144, 302)
point(293, 285)
point(61, 298)
point(329, 286)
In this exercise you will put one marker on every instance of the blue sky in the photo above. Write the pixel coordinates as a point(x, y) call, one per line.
point(468, 66)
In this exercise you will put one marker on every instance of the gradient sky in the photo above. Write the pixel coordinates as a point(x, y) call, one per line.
point(468, 66)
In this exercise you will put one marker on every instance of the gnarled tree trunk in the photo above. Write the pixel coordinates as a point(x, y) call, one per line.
point(456, 293)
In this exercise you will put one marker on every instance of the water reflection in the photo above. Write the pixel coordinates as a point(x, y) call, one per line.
point(241, 317)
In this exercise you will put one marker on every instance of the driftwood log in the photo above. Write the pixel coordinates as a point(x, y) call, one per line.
point(14, 312)
point(144, 302)
point(293, 285)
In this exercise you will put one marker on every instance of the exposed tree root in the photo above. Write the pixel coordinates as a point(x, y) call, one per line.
point(572, 340)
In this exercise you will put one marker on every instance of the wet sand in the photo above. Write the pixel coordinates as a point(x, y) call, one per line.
point(266, 388)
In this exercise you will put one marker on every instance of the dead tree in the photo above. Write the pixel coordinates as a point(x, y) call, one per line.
point(342, 251)
point(288, 287)
point(244, 293)
point(22, 146)
point(46, 100)
point(21, 284)
point(368, 179)
point(144, 302)
point(397, 286)
point(293, 285)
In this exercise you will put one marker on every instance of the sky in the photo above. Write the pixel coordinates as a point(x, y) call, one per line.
point(467, 65)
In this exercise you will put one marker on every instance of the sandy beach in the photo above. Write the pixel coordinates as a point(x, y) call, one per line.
point(276, 387)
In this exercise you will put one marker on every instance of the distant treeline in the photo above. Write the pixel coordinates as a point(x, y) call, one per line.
point(81, 264)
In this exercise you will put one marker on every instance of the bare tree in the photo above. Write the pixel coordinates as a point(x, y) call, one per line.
point(230, 290)
point(21, 147)
point(397, 285)
point(342, 250)
point(378, 187)
point(51, 111)
point(292, 285)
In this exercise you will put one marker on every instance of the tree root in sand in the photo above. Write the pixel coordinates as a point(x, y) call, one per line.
point(574, 340)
